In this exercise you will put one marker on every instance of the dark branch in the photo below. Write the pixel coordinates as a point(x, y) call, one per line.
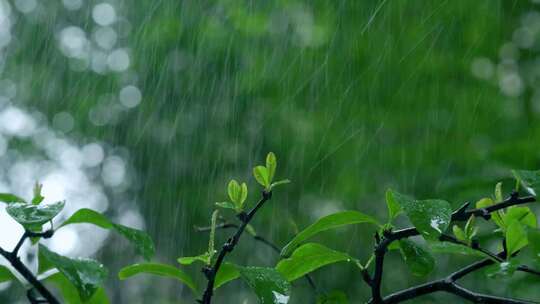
point(15, 261)
point(448, 284)
point(229, 247)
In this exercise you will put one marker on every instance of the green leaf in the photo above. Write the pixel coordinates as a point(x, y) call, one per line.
point(530, 180)
point(251, 230)
point(38, 198)
point(142, 241)
point(226, 273)
point(497, 217)
point(516, 237)
point(205, 258)
point(234, 192)
point(460, 234)
point(243, 194)
point(70, 293)
point(267, 283)
point(503, 269)
point(452, 248)
point(85, 274)
point(261, 175)
point(308, 258)
point(278, 183)
point(533, 235)
point(331, 221)
point(419, 260)
point(470, 229)
point(5, 274)
point(158, 269)
point(394, 208)
point(498, 193)
point(431, 217)
point(10, 198)
point(33, 216)
point(523, 215)
point(226, 205)
point(334, 297)
point(271, 164)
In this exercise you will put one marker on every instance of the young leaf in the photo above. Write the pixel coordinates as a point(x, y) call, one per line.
point(460, 235)
point(205, 258)
point(243, 194)
point(38, 198)
point(211, 250)
point(451, 248)
point(235, 192)
point(70, 293)
point(325, 223)
point(533, 235)
point(33, 216)
point(10, 198)
point(394, 208)
point(226, 273)
point(516, 237)
point(85, 274)
point(142, 241)
point(309, 257)
point(278, 183)
point(503, 269)
point(431, 217)
point(267, 283)
point(523, 215)
point(470, 229)
point(498, 192)
point(261, 175)
point(530, 180)
point(226, 205)
point(419, 260)
point(159, 270)
point(496, 216)
point(271, 164)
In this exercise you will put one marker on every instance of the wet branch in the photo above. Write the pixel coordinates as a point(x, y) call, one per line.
point(13, 258)
point(229, 246)
point(447, 284)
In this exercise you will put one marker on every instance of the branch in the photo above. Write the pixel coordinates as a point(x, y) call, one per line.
point(461, 214)
point(229, 247)
point(15, 261)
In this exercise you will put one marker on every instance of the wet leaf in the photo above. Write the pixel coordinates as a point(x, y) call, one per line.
point(515, 237)
point(33, 216)
point(159, 270)
point(38, 198)
point(269, 285)
point(278, 183)
point(497, 216)
point(261, 175)
point(70, 293)
point(530, 180)
point(85, 274)
point(523, 215)
point(328, 222)
point(533, 235)
point(235, 192)
point(204, 258)
point(459, 233)
point(308, 258)
point(142, 241)
point(226, 273)
point(226, 205)
point(10, 198)
point(431, 217)
point(452, 248)
point(503, 269)
point(5, 274)
point(498, 193)
point(419, 260)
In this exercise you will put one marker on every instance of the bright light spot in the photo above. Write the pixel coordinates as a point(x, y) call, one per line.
point(280, 298)
point(26, 6)
point(114, 171)
point(118, 60)
point(73, 42)
point(104, 14)
point(105, 37)
point(511, 84)
point(64, 241)
point(130, 96)
point(99, 62)
point(92, 155)
point(63, 121)
point(72, 5)
point(482, 68)
point(16, 122)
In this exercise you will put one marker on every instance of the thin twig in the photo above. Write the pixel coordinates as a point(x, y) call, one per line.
point(229, 247)
point(15, 261)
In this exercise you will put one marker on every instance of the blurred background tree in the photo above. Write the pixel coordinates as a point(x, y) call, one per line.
point(434, 98)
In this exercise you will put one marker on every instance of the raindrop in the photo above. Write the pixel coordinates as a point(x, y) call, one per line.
point(118, 60)
point(113, 171)
point(104, 14)
point(92, 154)
point(130, 96)
point(105, 37)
